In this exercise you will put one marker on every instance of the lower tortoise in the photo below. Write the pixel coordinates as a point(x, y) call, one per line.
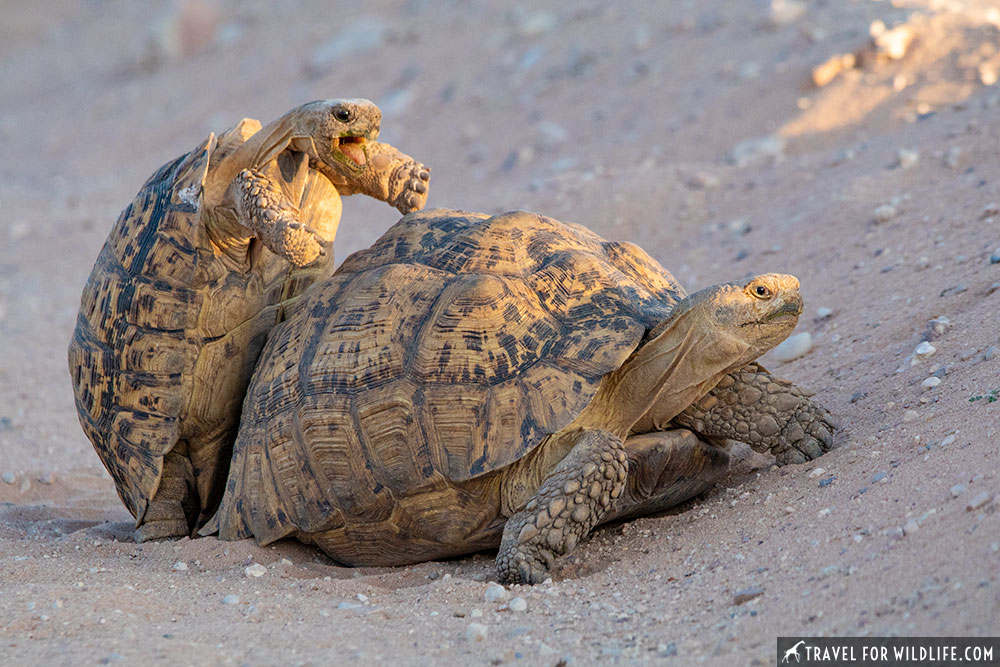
point(514, 381)
point(194, 274)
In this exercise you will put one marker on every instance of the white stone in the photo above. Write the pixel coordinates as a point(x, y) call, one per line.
point(255, 570)
point(957, 490)
point(495, 593)
point(180, 566)
point(884, 213)
point(910, 527)
point(231, 599)
point(924, 350)
point(793, 347)
point(824, 512)
point(476, 632)
point(907, 158)
point(930, 382)
point(816, 472)
point(823, 312)
point(517, 604)
point(911, 415)
point(978, 501)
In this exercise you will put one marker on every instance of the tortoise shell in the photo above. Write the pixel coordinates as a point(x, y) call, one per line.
point(170, 328)
point(445, 352)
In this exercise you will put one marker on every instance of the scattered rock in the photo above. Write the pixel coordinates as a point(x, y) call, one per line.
point(911, 415)
point(923, 352)
point(476, 632)
point(906, 158)
point(957, 490)
point(25, 485)
point(910, 527)
point(951, 157)
point(989, 352)
point(46, 478)
point(895, 533)
point(180, 566)
point(936, 328)
point(703, 180)
point(930, 382)
point(793, 347)
point(879, 476)
point(231, 599)
point(826, 72)
point(827, 482)
point(978, 501)
point(823, 313)
point(495, 593)
point(989, 211)
point(953, 290)
point(992, 288)
point(537, 24)
point(816, 472)
point(784, 12)
point(947, 440)
point(255, 570)
point(891, 44)
point(517, 604)
point(8, 477)
point(826, 511)
point(747, 594)
point(884, 213)
point(967, 354)
point(758, 152)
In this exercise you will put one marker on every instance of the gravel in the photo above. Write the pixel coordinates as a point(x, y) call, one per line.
point(180, 566)
point(476, 632)
point(231, 599)
point(957, 490)
point(517, 604)
point(793, 347)
point(255, 570)
point(978, 501)
point(495, 593)
point(8, 477)
point(747, 594)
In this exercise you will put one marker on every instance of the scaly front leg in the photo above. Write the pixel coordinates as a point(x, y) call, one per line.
point(387, 175)
point(765, 412)
point(263, 208)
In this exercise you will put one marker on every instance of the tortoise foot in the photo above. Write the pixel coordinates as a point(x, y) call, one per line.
point(572, 499)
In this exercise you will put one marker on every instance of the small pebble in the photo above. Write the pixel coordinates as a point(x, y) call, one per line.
point(8, 477)
point(930, 382)
point(793, 347)
point(180, 566)
point(789, 510)
point(884, 213)
point(46, 478)
point(911, 415)
point(231, 599)
point(924, 350)
point(954, 290)
point(989, 353)
point(957, 490)
point(978, 501)
point(476, 613)
point(517, 604)
point(476, 632)
point(907, 158)
point(965, 355)
point(255, 570)
point(879, 476)
point(895, 533)
point(992, 288)
point(816, 472)
point(910, 527)
point(936, 328)
point(25, 485)
point(495, 593)
point(747, 594)
point(826, 482)
point(823, 312)
point(995, 257)
point(824, 512)
point(947, 440)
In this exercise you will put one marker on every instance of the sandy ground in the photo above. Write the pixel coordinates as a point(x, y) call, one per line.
point(696, 132)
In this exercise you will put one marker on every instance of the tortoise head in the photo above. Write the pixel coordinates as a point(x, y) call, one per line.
point(334, 133)
point(760, 312)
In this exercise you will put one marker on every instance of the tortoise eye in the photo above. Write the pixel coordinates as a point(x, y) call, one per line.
point(342, 114)
point(761, 292)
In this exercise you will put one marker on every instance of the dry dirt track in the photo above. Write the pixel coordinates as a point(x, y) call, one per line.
point(695, 132)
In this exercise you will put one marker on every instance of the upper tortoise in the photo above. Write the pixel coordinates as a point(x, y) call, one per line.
point(196, 271)
point(468, 382)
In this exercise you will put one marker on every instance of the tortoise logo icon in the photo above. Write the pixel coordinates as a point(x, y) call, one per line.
point(793, 651)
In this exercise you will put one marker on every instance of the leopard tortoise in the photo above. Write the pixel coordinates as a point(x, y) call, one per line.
point(196, 271)
point(515, 381)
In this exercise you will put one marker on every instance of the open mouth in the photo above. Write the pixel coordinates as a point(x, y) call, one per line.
point(353, 148)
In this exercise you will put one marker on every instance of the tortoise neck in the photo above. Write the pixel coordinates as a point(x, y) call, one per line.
point(686, 358)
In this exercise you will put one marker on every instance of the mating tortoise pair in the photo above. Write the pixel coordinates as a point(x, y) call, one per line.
point(467, 382)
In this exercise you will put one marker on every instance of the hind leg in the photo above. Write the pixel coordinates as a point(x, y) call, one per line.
point(173, 509)
point(666, 468)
